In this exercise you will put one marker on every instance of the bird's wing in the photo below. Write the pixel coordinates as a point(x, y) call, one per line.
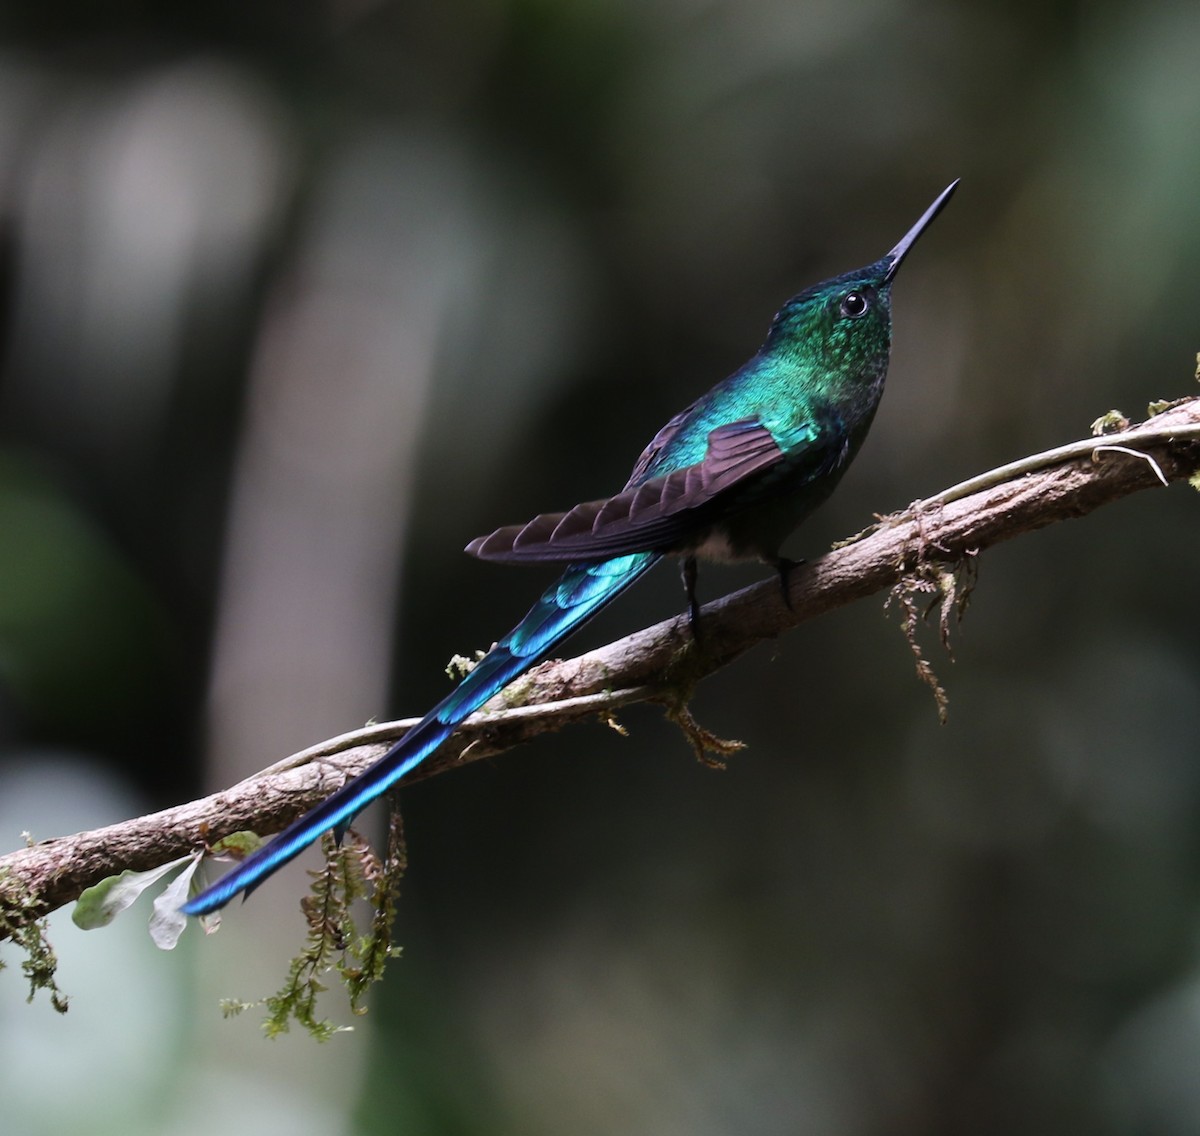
point(660, 513)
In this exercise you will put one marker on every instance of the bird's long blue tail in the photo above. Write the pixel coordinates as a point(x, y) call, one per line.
point(568, 603)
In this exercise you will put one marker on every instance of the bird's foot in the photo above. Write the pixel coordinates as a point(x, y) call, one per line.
point(688, 571)
point(784, 567)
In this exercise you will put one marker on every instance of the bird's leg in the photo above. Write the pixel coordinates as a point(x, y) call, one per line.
point(784, 567)
point(688, 571)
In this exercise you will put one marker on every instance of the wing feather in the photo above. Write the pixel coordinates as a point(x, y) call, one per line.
point(656, 513)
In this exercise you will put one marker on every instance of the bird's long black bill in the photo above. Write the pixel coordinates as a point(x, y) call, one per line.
point(897, 255)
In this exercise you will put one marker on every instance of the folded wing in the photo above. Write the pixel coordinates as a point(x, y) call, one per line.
point(659, 513)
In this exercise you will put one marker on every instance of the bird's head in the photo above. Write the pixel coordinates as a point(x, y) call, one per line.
point(845, 324)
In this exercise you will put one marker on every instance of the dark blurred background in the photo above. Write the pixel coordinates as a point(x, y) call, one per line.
point(297, 298)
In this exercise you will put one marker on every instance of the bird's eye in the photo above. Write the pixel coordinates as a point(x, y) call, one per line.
point(854, 304)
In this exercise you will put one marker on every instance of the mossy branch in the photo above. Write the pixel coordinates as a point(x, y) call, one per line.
point(930, 540)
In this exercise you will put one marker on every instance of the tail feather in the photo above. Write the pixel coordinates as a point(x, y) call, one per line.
point(568, 603)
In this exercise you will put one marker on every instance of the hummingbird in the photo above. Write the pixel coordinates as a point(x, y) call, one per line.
point(729, 478)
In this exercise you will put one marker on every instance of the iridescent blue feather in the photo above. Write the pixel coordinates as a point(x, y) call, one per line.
point(577, 595)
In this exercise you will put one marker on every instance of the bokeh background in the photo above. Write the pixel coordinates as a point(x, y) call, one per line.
point(296, 298)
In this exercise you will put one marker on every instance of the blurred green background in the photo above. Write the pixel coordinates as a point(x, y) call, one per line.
point(297, 298)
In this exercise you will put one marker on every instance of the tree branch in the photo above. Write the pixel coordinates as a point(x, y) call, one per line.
point(661, 663)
